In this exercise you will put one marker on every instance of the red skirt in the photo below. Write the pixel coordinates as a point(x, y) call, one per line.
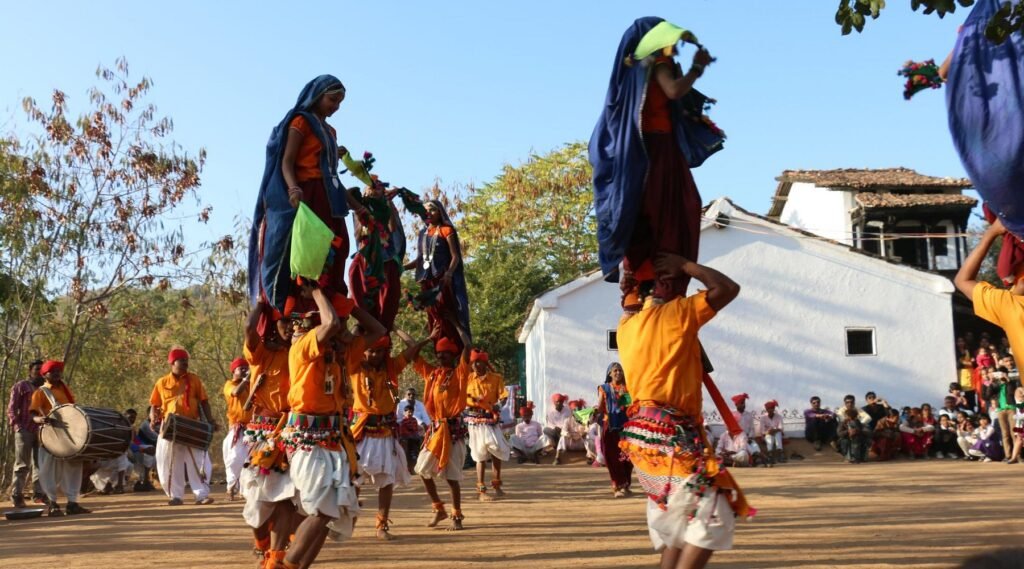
point(382, 304)
point(669, 220)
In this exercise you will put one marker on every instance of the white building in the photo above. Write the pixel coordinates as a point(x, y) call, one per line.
point(815, 317)
point(871, 208)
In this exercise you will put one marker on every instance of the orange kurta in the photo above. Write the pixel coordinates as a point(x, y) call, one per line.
point(180, 396)
point(41, 404)
point(444, 396)
point(1004, 309)
point(272, 396)
point(484, 391)
point(236, 413)
point(661, 360)
point(316, 386)
point(373, 390)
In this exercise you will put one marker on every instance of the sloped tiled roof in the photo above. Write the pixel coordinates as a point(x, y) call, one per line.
point(872, 200)
point(860, 178)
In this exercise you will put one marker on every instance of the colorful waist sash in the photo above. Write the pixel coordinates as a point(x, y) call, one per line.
point(303, 432)
point(456, 428)
point(477, 416)
point(260, 427)
point(374, 426)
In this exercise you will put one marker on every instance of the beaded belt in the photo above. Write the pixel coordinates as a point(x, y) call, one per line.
point(307, 431)
point(477, 416)
point(378, 426)
point(260, 427)
point(664, 430)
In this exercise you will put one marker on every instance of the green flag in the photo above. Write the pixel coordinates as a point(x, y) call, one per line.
point(311, 243)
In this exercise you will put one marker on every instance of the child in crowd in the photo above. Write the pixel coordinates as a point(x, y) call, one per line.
point(986, 446)
point(984, 359)
point(965, 437)
point(409, 436)
point(887, 436)
point(916, 434)
point(1018, 425)
point(944, 443)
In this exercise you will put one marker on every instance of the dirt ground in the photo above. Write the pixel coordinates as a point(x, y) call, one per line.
point(813, 513)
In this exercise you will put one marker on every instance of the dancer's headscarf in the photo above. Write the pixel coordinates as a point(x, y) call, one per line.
point(272, 220)
point(985, 100)
point(617, 149)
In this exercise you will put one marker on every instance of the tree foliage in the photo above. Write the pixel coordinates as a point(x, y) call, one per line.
point(853, 14)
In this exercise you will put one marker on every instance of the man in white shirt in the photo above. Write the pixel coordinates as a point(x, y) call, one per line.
point(746, 421)
point(529, 439)
point(555, 420)
point(769, 426)
point(733, 450)
point(419, 411)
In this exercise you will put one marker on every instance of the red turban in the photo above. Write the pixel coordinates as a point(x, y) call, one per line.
point(343, 305)
point(478, 356)
point(383, 343)
point(771, 404)
point(51, 365)
point(739, 398)
point(237, 363)
point(177, 354)
point(446, 345)
point(559, 397)
point(526, 410)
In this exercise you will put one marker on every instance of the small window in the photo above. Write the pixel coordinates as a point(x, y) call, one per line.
point(860, 342)
point(613, 340)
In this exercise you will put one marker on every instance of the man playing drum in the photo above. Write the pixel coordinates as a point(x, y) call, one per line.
point(181, 393)
point(55, 473)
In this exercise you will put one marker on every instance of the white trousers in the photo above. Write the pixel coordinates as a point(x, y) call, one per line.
point(487, 441)
point(56, 474)
point(175, 461)
point(565, 443)
point(520, 445)
point(235, 456)
point(773, 442)
point(108, 470)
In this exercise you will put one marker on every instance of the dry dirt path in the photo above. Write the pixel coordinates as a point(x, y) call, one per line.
point(811, 514)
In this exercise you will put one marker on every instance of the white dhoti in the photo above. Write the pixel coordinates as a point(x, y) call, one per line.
point(56, 474)
point(711, 527)
point(741, 459)
point(519, 444)
point(108, 470)
point(235, 456)
point(426, 464)
point(324, 486)
point(382, 462)
point(262, 492)
point(175, 462)
point(567, 443)
point(486, 441)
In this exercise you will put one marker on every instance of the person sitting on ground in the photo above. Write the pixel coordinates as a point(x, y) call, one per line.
point(986, 445)
point(966, 435)
point(950, 405)
point(876, 408)
point(913, 434)
point(850, 402)
point(528, 440)
point(554, 420)
point(573, 432)
point(734, 450)
point(852, 437)
point(748, 423)
point(410, 436)
point(110, 474)
point(944, 443)
point(141, 452)
point(819, 424)
point(887, 437)
point(770, 427)
point(928, 424)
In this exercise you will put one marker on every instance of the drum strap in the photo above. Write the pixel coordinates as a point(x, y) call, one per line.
point(49, 396)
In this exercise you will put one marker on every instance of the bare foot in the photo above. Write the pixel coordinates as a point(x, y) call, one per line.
point(485, 497)
point(456, 525)
point(383, 535)
point(439, 516)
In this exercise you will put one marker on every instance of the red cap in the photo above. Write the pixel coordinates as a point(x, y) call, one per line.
point(446, 345)
point(740, 397)
point(237, 363)
point(51, 365)
point(177, 354)
point(478, 355)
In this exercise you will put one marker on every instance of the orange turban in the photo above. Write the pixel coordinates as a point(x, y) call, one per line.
point(555, 398)
point(478, 355)
point(446, 345)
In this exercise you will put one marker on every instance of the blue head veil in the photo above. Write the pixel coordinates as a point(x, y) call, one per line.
point(985, 100)
point(617, 150)
point(273, 217)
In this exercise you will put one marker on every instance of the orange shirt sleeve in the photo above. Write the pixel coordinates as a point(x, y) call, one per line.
point(420, 366)
point(993, 304)
point(354, 355)
point(154, 398)
point(308, 348)
point(695, 308)
point(199, 389)
point(299, 123)
point(39, 404)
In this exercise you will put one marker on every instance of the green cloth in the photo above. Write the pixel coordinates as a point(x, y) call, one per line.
point(1004, 404)
point(661, 36)
point(311, 243)
point(583, 415)
point(356, 168)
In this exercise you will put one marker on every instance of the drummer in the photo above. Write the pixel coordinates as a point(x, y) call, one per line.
point(181, 393)
point(53, 472)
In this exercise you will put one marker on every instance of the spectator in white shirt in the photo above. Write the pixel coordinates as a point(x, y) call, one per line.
point(733, 450)
point(746, 421)
point(555, 419)
point(528, 440)
point(419, 412)
point(770, 427)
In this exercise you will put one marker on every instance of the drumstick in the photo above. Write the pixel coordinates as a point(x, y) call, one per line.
point(252, 393)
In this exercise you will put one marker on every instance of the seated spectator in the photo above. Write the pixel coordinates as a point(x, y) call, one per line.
point(886, 436)
point(966, 435)
point(554, 420)
point(1018, 426)
point(987, 445)
point(819, 424)
point(916, 439)
point(945, 442)
point(850, 402)
point(770, 428)
point(928, 423)
point(949, 405)
point(876, 408)
point(142, 454)
point(573, 433)
point(409, 435)
point(904, 413)
point(529, 438)
point(733, 450)
point(111, 474)
point(852, 437)
point(748, 423)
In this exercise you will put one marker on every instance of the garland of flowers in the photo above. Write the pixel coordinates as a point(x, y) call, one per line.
point(920, 75)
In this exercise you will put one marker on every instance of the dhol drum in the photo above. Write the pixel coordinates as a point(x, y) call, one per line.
point(85, 433)
point(189, 432)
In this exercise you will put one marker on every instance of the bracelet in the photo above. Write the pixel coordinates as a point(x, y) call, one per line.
point(294, 189)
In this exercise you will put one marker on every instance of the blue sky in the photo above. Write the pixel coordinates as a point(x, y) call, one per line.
point(453, 90)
